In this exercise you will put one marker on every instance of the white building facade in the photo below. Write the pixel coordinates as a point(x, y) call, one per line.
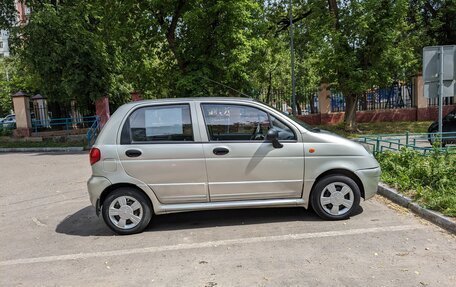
point(21, 19)
point(4, 45)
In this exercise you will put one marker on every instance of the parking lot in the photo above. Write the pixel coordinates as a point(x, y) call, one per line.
point(50, 236)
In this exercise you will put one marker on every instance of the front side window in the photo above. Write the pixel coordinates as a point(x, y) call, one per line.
point(230, 122)
point(160, 123)
point(285, 133)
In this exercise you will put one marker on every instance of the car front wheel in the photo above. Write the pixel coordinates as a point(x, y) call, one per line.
point(126, 211)
point(335, 197)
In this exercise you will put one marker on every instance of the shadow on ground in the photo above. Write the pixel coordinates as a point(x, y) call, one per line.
point(86, 223)
point(58, 153)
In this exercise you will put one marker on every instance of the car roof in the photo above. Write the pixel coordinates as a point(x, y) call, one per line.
point(194, 99)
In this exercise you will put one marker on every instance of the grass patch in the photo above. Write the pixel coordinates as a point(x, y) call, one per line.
point(380, 128)
point(44, 143)
point(428, 180)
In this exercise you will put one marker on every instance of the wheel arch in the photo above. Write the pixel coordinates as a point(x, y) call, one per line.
point(115, 186)
point(341, 171)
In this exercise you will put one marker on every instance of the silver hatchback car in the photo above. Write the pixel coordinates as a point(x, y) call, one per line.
point(175, 155)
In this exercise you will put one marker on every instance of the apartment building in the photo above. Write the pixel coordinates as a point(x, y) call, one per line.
point(21, 19)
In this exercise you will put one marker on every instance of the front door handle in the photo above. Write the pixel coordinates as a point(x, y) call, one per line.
point(133, 153)
point(220, 151)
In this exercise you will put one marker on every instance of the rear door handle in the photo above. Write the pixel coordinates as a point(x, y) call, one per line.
point(133, 153)
point(220, 151)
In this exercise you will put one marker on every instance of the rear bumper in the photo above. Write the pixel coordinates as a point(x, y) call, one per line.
point(370, 178)
point(96, 185)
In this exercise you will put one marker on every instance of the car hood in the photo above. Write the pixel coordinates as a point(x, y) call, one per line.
point(334, 145)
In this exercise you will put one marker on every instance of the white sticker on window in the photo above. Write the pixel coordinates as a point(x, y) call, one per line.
point(164, 121)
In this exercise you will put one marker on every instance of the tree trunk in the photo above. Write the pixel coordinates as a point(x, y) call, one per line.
point(171, 33)
point(334, 10)
point(298, 107)
point(350, 112)
point(269, 96)
point(312, 104)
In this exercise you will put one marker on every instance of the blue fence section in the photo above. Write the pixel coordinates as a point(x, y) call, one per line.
point(93, 132)
point(395, 97)
point(337, 102)
point(67, 124)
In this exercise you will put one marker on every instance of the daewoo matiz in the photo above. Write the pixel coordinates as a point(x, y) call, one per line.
point(175, 155)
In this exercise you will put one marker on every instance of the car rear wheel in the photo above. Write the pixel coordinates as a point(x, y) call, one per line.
point(126, 211)
point(335, 197)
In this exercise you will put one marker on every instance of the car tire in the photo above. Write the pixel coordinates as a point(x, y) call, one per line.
point(335, 197)
point(126, 211)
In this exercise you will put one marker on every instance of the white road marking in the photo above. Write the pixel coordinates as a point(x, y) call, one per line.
point(209, 244)
point(39, 223)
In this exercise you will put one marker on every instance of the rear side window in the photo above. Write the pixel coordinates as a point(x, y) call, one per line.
point(158, 124)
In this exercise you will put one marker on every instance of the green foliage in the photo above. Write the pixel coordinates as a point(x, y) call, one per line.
point(207, 39)
point(435, 20)
point(13, 78)
point(7, 13)
point(87, 49)
point(4, 131)
point(64, 50)
point(360, 45)
point(427, 179)
point(5, 89)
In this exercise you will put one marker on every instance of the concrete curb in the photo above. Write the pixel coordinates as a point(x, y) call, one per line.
point(432, 216)
point(42, 149)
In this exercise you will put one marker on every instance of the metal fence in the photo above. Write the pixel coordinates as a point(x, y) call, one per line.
point(53, 124)
point(446, 102)
point(422, 142)
point(397, 96)
point(93, 132)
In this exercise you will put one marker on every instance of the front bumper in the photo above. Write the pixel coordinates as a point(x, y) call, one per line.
point(370, 178)
point(96, 185)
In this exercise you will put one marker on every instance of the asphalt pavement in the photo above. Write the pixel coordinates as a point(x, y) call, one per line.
point(50, 236)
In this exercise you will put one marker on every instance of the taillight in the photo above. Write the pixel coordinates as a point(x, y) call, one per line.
point(95, 155)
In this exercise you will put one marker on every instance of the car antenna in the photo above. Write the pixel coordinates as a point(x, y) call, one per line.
point(226, 86)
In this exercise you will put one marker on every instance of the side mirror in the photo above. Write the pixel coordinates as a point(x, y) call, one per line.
point(273, 136)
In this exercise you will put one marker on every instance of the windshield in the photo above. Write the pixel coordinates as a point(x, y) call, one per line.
point(303, 124)
point(297, 120)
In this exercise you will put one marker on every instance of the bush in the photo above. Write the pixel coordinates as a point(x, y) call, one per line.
point(5, 131)
point(428, 179)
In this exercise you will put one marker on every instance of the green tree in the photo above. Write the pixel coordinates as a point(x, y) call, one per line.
point(170, 48)
point(208, 39)
point(63, 47)
point(7, 13)
point(365, 45)
point(13, 78)
point(437, 20)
